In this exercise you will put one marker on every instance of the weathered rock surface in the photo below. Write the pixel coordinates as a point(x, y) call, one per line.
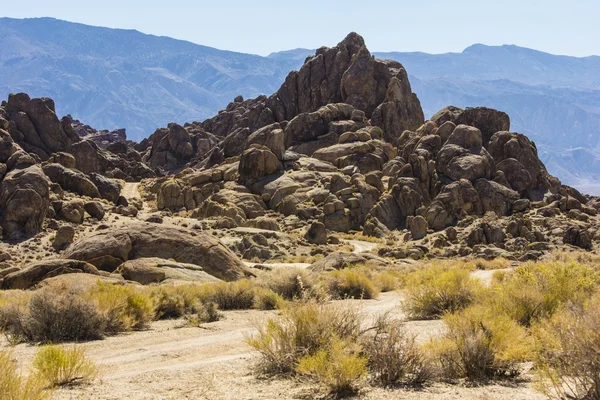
point(108, 250)
point(37, 272)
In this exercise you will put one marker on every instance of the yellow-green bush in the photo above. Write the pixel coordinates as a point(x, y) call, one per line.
point(536, 290)
point(388, 281)
point(122, 307)
point(303, 329)
point(394, 356)
point(567, 352)
point(169, 303)
point(57, 366)
point(479, 345)
point(433, 291)
point(339, 366)
point(14, 386)
point(14, 312)
point(238, 295)
point(350, 283)
point(266, 299)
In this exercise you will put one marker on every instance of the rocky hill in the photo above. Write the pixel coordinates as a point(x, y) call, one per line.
point(115, 79)
point(342, 146)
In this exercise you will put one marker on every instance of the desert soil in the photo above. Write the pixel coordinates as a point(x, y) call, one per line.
point(172, 361)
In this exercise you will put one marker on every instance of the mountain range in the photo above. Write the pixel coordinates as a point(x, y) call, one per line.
point(111, 78)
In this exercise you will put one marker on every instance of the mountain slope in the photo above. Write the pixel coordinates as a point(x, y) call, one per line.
point(120, 78)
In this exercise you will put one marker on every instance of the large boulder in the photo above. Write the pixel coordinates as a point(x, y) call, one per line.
point(172, 147)
point(487, 120)
point(109, 249)
point(158, 270)
point(24, 201)
point(71, 180)
point(39, 271)
point(257, 162)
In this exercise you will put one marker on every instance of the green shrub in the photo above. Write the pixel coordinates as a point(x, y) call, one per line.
point(479, 345)
point(567, 352)
point(303, 329)
point(394, 357)
point(433, 291)
point(536, 290)
point(59, 367)
point(350, 283)
point(339, 366)
point(14, 386)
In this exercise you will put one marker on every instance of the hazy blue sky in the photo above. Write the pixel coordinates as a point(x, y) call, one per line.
point(557, 26)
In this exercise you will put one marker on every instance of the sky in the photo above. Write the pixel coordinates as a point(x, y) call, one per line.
point(566, 27)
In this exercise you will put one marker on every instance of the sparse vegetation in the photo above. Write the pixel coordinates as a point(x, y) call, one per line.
point(123, 307)
point(14, 386)
point(238, 295)
point(303, 330)
point(536, 290)
point(339, 366)
point(394, 356)
point(479, 345)
point(290, 283)
point(567, 353)
point(205, 313)
point(59, 367)
point(350, 283)
point(433, 291)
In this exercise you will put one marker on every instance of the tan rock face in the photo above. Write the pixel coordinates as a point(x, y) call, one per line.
point(108, 250)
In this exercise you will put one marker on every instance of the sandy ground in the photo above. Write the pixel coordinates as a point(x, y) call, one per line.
point(172, 361)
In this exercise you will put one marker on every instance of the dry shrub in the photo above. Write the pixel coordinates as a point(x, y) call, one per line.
point(433, 291)
point(14, 386)
point(567, 354)
point(350, 283)
point(14, 311)
point(59, 367)
point(290, 283)
point(388, 281)
point(266, 299)
point(479, 345)
point(394, 356)
point(56, 314)
point(123, 307)
point(205, 313)
point(238, 295)
point(169, 303)
point(483, 264)
point(339, 366)
point(536, 290)
point(303, 329)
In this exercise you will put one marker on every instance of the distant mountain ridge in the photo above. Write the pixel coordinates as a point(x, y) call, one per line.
point(113, 78)
point(110, 78)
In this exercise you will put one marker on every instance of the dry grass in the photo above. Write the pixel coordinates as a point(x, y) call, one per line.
point(394, 356)
point(290, 283)
point(302, 330)
point(567, 359)
point(57, 366)
point(483, 264)
point(350, 283)
point(14, 386)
